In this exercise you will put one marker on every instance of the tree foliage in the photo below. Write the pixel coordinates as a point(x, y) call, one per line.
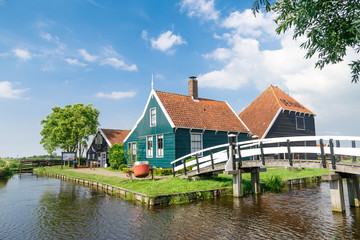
point(69, 128)
point(116, 156)
point(332, 28)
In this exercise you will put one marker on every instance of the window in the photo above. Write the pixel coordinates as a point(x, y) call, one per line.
point(300, 123)
point(196, 142)
point(152, 117)
point(160, 146)
point(132, 150)
point(149, 146)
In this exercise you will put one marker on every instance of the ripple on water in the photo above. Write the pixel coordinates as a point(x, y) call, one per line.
point(47, 208)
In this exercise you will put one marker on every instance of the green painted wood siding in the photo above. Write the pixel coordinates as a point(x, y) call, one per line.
point(210, 139)
point(143, 129)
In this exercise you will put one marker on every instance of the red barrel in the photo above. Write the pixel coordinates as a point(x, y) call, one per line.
point(141, 169)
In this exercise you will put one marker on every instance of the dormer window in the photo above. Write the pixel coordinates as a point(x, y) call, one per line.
point(152, 117)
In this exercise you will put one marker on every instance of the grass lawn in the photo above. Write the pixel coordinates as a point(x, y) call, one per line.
point(177, 185)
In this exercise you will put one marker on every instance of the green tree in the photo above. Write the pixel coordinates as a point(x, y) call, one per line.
point(116, 156)
point(69, 128)
point(332, 28)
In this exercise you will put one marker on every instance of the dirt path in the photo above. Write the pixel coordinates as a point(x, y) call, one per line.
point(104, 172)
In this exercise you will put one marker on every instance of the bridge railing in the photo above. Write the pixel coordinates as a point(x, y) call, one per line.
point(285, 147)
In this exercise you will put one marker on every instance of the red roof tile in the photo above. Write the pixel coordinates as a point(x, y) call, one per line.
point(200, 114)
point(115, 135)
point(261, 112)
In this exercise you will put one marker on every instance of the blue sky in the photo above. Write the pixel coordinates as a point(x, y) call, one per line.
point(59, 52)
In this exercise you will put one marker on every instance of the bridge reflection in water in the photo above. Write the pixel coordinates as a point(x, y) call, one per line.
point(235, 158)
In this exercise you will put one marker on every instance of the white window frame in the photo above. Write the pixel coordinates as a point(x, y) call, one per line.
point(296, 120)
point(149, 152)
point(159, 151)
point(132, 150)
point(192, 149)
point(152, 120)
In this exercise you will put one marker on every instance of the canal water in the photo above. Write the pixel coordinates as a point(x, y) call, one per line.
point(34, 207)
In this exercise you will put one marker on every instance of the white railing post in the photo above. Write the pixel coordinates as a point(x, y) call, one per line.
point(230, 165)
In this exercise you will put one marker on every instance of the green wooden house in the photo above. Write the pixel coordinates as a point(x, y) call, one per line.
point(173, 125)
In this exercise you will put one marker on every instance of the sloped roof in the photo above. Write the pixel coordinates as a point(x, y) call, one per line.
point(115, 135)
point(201, 113)
point(259, 115)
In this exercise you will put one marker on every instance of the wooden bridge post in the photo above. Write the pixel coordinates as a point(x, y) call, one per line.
point(237, 184)
point(262, 153)
point(352, 181)
point(197, 164)
point(240, 159)
point(289, 153)
point(337, 142)
point(230, 166)
point(353, 144)
point(323, 160)
point(173, 169)
point(212, 159)
point(336, 191)
point(333, 163)
point(255, 180)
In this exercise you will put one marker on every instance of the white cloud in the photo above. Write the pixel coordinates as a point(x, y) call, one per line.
point(116, 63)
point(23, 54)
point(46, 36)
point(75, 62)
point(116, 95)
point(221, 54)
point(243, 61)
point(246, 24)
point(144, 35)
point(87, 56)
point(200, 8)
point(166, 41)
point(7, 91)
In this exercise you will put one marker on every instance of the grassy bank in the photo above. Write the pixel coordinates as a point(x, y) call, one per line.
point(6, 166)
point(273, 178)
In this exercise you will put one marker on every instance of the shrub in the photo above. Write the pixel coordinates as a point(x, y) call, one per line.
point(162, 171)
point(2, 163)
point(116, 156)
point(274, 184)
point(122, 166)
point(5, 172)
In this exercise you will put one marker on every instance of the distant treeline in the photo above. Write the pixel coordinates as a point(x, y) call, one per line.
point(44, 157)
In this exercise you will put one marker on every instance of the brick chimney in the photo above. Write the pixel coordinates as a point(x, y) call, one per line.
point(193, 87)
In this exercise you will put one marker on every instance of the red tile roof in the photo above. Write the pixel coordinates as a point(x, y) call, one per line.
point(261, 112)
point(200, 114)
point(115, 135)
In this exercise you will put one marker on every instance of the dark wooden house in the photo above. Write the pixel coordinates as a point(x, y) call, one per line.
point(275, 114)
point(104, 139)
point(173, 125)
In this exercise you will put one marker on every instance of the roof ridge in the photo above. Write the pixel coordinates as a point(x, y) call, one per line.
point(272, 90)
point(190, 96)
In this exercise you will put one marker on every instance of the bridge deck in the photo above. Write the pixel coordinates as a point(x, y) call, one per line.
point(341, 167)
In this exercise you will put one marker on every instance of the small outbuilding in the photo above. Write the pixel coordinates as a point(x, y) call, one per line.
point(275, 114)
point(104, 139)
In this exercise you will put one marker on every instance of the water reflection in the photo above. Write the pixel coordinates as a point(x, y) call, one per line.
point(3, 182)
point(47, 208)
